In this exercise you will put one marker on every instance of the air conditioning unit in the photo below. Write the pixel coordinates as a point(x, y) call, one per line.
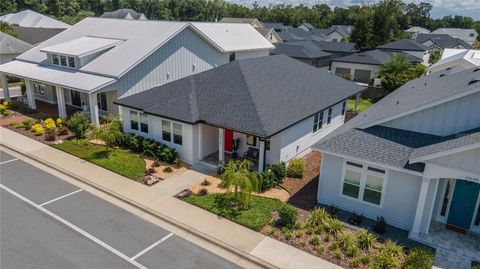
point(377, 82)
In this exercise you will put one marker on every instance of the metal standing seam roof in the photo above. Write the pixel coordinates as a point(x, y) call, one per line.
point(70, 78)
point(142, 38)
point(29, 18)
point(259, 96)
point(472, 56)
point(82, 46)
point(12, 45)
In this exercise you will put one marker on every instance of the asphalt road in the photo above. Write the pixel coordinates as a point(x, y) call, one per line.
point(46, 222)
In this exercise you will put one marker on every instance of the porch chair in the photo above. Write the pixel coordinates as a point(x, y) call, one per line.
point(251, 154)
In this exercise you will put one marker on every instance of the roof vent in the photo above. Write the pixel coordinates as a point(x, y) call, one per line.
point(449, 68)
point(476, 69)
point(473, 81)
point(398, 102)
point(442, 75)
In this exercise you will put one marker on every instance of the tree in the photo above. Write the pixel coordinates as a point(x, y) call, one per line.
point(362, 29)
point(237, 176)
point(7, 29)
point(476, 44)
point(110, 132)
point(398, 71)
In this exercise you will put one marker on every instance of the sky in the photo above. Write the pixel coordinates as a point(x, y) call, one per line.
point(441, 7)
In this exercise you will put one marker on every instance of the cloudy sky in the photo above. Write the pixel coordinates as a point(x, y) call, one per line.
point(441, 7)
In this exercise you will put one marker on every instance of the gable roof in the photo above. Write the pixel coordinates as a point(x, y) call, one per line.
point(124, 13)
point(403, 45)
point(374, 57)
point(12, 45)
point(442, 40)
point(302, 50)
point(34, 35)
point(141, 38)
point(29, 18)
point(455, 56)
point(275, 25)
point(328, 46)
point(259, 96)
point(238, 20)
point(307, 25)
point(416, 29)
point(463, 34)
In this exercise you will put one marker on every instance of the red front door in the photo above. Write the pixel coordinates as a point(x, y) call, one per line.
point(228, 140)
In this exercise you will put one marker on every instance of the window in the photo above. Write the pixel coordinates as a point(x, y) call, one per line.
point(143, 123)
point(71, 62)
point(166, 130)
point(364, 183)
point(133, 120)
point(267, 144)
point(329, 118)
point(344, 107)
point(102, 101)
point(63, 60)
point(177, 133)
point(251, 140)
point(318, 121)
point(39, 88)
point(55, 59)
point(232, 56)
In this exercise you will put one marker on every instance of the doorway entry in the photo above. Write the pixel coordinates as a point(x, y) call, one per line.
point(464, 201)
point(228, 140)
point(76, 100)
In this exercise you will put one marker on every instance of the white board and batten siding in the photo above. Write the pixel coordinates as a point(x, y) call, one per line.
point(467, 160)
point(400, 194)
point(184, 55)
point(297, 140)
point(452, 117)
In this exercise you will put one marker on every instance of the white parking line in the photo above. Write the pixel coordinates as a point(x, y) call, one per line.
point(151, 246)
point(75, 228)
point(61, 197)
point(8, 161)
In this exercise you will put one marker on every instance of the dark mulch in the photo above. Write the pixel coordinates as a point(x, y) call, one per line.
point(303, 191)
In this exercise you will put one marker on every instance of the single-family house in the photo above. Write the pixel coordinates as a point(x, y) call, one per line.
point(279, 27)
point(33, 27)
point(252, 21)
point(306, 27)
point(270, 34)
point(11, 47)
point(307, 52)
point(441, 41)
point(124, 14)
point(266, 109)
point(96, 61)
point(336, 33)
point(295, 34)
point(362, 67)
point(467, 35)
point(415, 30)
point(457, 59)
point(413, 158)
point(410, 47)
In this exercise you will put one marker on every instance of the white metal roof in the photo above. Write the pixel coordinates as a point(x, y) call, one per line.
point(141, 38)
point(69, 78)
point(452, 56)
point(29, 18)
point(82, 46)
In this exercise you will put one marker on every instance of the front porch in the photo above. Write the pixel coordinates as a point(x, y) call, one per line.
point(212, 159)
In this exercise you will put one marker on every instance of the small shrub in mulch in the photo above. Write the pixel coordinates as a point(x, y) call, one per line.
point(156, 163)
point(202, 192)
point(167, 169)
point(150, 171)
point(296, 168)
point(287, 216)
point(206, 183)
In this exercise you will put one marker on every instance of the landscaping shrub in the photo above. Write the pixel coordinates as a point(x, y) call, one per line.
point(288, 234)
point(62, 130)
point(38, 129)
point(315, 240)
point(79, 124)
point(167, 154)
point(355, 262)
point(156, 163)
point(321, 249)
point(419, 258)
point(346, 239)
point(202, 192)
point(49, 124)
point(50, 134)
point(365, 259)
point(352, 251)
point(3, 109)
point(268, 180)
point(337, 254)
point(287, 216)
point(27, 123)
point(393, 249)
point(178, 161)
point(333, 226)
point(365, 239)
point(279, 169)
point(60, 122)
point(296, 168)
point(206, 183)
point(150, 147)
point(383, 260)
point(150, 171)
point(299, 234)
point(167, 169)
point(318, 216)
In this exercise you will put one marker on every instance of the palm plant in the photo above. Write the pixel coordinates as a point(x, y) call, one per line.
point(110, 132)
point(238, 177)
point(365, 239)
point(399, 63)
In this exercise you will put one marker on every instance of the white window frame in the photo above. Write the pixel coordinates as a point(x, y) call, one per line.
point(169, 129)
point(39, 88)
point(178, 134)
point(363, 178)
point(140, 122)
point(136, 119)
point(316, 126)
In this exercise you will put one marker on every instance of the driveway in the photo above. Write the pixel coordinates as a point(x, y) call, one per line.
point(49, 223)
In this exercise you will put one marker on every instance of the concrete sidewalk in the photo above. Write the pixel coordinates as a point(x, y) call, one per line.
point(159, 201)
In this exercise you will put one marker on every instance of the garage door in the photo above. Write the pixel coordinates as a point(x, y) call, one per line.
point(362, 76)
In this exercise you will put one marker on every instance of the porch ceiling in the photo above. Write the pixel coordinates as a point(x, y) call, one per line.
point(69, 78)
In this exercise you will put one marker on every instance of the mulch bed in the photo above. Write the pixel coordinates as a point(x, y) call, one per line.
point(304, 191)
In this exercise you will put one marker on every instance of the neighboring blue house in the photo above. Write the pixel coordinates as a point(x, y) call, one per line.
point(413, 158)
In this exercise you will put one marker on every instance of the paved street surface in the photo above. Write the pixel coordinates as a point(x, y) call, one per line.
point(46, 222)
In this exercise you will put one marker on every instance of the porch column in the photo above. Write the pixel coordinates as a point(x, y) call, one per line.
point(261, 156)
point(200, 141)
point(30, 94)
point(62, 109)
point(221, 145)
point(6, 91)
point(94, 118)
point(357, 100)
point(422, 200)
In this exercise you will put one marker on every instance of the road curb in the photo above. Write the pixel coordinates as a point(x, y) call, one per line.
point(186, 228)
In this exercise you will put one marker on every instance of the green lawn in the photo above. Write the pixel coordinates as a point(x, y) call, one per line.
point(120, 161)
point(362, 104)
point(255, 217)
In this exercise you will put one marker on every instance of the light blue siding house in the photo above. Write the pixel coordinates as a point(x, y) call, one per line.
point(98, 60)
point(413, 158)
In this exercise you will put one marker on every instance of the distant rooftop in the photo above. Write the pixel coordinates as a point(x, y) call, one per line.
point(29, 18)
point(124, 13)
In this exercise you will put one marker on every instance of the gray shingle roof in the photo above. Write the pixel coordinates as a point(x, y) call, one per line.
point(302, 50)
point(328, 46)
point(124, 13)
point(393, 146)
point(374, 57)
point(451, 142)
point(443, 40)
point(403, 44)
point(260, 96)
point(12, 45)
